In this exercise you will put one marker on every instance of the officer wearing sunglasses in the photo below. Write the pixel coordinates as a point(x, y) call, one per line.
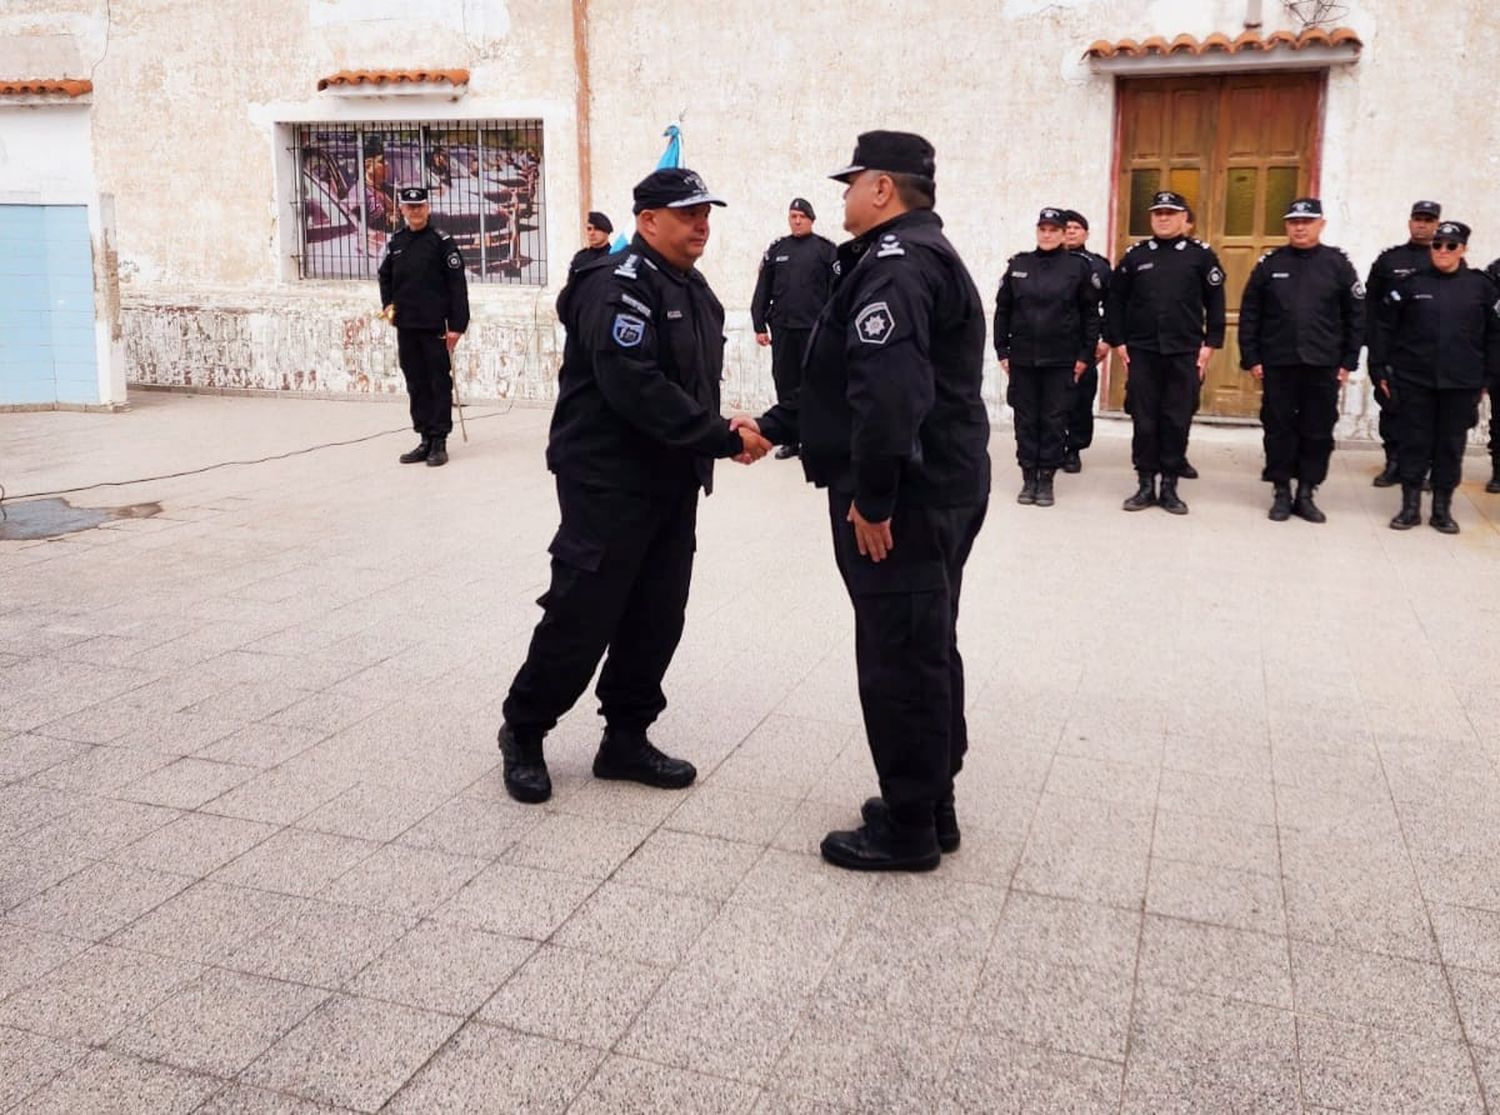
point(1436, 346)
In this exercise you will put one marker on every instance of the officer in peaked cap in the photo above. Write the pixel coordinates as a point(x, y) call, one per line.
point(1437, 345)
point(796, 274)
point(1302, 321)
point(1046, 327)
point(1164, 317)
point(596, 232)
point(892, 424)
point(633, 439)
point(425, 293)
point(1079, 434)
point(1390, 267)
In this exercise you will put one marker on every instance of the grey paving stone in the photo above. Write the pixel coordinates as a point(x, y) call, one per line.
point(624, 802)
point(1060, 931)
point(220, 1023)
point(1348, 1067)
point(175, 733)
point(516, 901)
point(411, 881)
point(573, 996)
point(689, 864)
point(438, 967)
point(1478, 996)
point(283, 794)
point(1217, 842)
point(28, 1061)
point(25, 755)
point(468, 826)
point(186, 783)
point(802, 884)
point(993, 1075)
point(194, 844)
point(102, 770)
point(809, 821)
point(206, 922)
point(372, 812)
point(27, 955)
point(623, 1085)
point(587, 847)
point(98, 900)
point(260, 745)
point(1213, 960)
point(241, 1099)
point(91, 997)
point(104, 1082)
point(1466, 937)
point(1364, 988)
point(636, 924)
point(319, 943)
point(1096, 851)
point(1216, 895)
point(25, 807)
point(97, 828)
point(1060, 1006)
point(486, 1068)
point(719, 810)
point(1208, 795)
point(1103, 780)
point(352, 1052)
point(296, 861)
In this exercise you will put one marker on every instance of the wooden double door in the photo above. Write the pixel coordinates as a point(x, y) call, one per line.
point(1240, 148)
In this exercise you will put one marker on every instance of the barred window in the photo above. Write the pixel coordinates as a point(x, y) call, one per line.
point(484, 179)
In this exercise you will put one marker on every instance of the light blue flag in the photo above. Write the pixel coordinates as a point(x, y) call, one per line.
point(670, 158)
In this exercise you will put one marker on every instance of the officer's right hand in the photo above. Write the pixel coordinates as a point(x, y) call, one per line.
point(1124, 356)
point(1004, 367)
point(1079, 367)
point(763, 339)
point(756, 446)
point(1385, 388)
point(1259, 371)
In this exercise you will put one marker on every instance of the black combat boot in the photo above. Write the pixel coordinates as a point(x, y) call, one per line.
point(525, 773)
point(884, 845)
point(1304, 507)
point(1027, 494)
point(439, 454)
point(628, 756)
point(1442, 512)
point(1188, 471)
point(1145, 495)
point(1410, 514)
point(1072, 462)
point(1281, 502)
point(944, 819)
point(419, 454)
point(1389, 476)
point(1169, 499)
point(1044, 496)
point(1494, 484)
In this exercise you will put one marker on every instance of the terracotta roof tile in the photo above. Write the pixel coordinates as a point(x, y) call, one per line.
point(393, 77)
point(1219, 42)
point(68, 86)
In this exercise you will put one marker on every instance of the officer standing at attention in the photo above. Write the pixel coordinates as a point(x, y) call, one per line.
point(1302, 322)
point(1493, 389)
point(1046, 329)
point(1437, 345)
point(633, 438)
point(1080, 418)
point(1164, 318)
point(1389, 268)
point(596, 233)
point(796, 274)
point(891, 422)
point(425, 295)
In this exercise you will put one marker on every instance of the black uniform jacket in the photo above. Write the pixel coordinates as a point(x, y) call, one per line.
point(638, 393)
point(1166, 296)
point(890, 398)
point(423, 275)
point(1389, 268)
point(1440, 331)
point(1101, 268)
point(1302, 306)
point(796, 274)
point(586, 255)
point(1047, 310)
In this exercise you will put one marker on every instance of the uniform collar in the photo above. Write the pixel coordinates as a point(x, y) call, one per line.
point(1048, 253)
point(912, 218)
point(646, 251)
point(1161, 242)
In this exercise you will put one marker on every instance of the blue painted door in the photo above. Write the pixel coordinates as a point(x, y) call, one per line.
point(47, 339)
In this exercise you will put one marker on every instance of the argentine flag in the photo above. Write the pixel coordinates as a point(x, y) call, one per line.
point(671, 157)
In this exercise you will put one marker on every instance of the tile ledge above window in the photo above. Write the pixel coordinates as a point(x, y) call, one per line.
point(451, 84)
point(1312, 49)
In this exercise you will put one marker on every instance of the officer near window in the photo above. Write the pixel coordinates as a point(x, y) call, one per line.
point(1302, 323)
point(596, 233)
point(892, 424)
point(1389, 268)
point(425, 293)
point(1046, 328)
point(633, 439)
point(1080, 418)
point(796, 274)
point(1437, 345)
point(1164, 318)
point(1493, 390)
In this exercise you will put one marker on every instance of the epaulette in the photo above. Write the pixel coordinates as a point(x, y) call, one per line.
point(629, 269)
point(1200, 243)
point(890, 245)
point(1265, 255)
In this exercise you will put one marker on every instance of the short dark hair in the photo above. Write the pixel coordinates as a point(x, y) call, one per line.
point(916, 191)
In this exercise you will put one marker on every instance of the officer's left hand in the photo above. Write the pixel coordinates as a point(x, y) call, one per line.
point(450, 338)
point(1343, 376)
point(873, 539)
point(1205, 354)
point(1079, 367)
point(1101, 350)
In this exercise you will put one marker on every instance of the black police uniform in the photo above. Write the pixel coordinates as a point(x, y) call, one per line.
point(1493, 390)
point(422, 274)
point(891, 420)
point(1046, 323)
point(1437, 344)
point(1085, 390)
point(633, 438)
point(584, 256)
point(1390, 267)
point(1301, 319)
point(796, 274)
point(1166, 301)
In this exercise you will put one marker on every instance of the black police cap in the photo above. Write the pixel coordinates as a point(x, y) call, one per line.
point(1304, 209)
point(600, 221)
point(1453, 230)
point(412, 195)
point(1426, 209)
point(1166, 199)
point(1072, 215)
point(893, 152)
point(1051, 216)
point(803, 206)
point(672, 188)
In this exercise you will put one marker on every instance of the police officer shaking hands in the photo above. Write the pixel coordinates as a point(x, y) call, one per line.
point(425, 295)
point(633, 438)
point(891, 423)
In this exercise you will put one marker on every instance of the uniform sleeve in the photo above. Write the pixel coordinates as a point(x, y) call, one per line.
point(891, 381)
point(1004, 304)
point(1383, 335)
point(1251, 304)
point(1114, 306)
point(1213, 301)
point(1377, 286)
point(760, 304)
point(624, 345)
point(782, 424)
point(1492, 337)
point(457, 283)
point(387, 284)
point(1351, 315)
point(1089, 291)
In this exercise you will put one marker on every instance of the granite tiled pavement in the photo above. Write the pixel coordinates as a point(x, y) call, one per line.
point(1232, 814)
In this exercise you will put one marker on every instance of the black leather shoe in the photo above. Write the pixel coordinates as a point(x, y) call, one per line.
point(1188, 472)
point(1169, 499)
point(1145, 495)
point(419, 454)
point(1442, 513)
point(882, 846)
point(526, 777)
point(944, 818)
point(1281, 504)
point(1410, 514)
point(1389, 476)
point(786, 452)
point(439, 454)
point(1027, 494)
point(1044, 493)
point(1305, 508)
point(1072, 462)
point(631, 757)
point(1494, 482)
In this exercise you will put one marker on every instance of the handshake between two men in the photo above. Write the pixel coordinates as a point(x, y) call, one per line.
point(755, 443)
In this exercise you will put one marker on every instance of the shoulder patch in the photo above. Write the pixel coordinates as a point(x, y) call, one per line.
point(628, 330)
point(1095, 280)
point(1358, 290)
point(874, 324)
point(628, 269)
point(635, 303)
point(455, 261)
point(1215, 277)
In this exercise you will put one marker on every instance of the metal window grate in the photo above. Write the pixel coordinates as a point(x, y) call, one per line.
point(486, 187)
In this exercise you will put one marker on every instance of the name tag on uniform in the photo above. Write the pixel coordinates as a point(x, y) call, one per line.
point(674, 315)
point(1018, 274)
point(1421, 297)
point(1281, 274)
point(1145, 267)
point(782, 259)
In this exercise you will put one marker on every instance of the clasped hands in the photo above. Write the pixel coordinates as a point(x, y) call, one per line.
point(755, 445)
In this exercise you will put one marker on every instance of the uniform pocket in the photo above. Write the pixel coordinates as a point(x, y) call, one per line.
point(572, 548)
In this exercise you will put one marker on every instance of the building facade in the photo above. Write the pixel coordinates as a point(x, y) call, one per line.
point(243, 156)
